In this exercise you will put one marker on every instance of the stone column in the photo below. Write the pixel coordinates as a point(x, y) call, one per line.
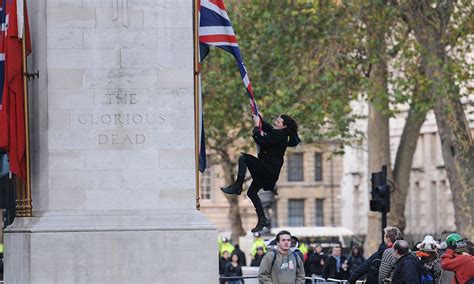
point(112, 148)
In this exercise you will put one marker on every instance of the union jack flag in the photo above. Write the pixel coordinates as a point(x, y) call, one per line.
point(215, 29)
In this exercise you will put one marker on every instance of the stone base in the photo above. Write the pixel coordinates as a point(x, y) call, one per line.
point(112, 247)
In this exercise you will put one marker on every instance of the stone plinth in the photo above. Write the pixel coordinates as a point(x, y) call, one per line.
point(112, 136)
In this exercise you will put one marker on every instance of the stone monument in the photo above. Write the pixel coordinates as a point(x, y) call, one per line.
point(112, 135)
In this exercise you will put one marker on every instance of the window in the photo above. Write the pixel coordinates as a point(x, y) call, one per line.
point(206, 184)
point(319, 212)
point(295, 167)
point(296, 212)
point(318, 167)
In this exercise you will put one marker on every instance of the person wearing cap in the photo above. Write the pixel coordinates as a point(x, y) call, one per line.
point(226, 246)
point(427, 254)
point(257, 242)
point(457, 260)
point(257, 259)
point(265, 169)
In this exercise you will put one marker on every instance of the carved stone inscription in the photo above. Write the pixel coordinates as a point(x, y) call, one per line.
point(122, 139)
point(124, 128)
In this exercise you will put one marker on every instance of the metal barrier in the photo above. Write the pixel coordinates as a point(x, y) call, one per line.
point(314, 279)
point(332, 280)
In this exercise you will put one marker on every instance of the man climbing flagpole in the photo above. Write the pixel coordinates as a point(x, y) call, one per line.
point(215, 29)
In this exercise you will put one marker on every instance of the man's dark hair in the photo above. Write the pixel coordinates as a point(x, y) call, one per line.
point(393, 233)
point(290, 123)
point(401, 247)
point(282, 233)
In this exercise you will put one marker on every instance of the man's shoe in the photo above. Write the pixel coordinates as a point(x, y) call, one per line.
point(262, 223)
point(236, 188)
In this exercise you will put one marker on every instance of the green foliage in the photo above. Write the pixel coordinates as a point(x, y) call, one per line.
point(310, 59)
point(298, 55)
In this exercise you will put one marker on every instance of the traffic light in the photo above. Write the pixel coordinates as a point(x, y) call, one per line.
point(380, 192)
point(382, 198)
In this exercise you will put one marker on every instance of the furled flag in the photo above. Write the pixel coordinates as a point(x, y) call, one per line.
point(12, 119)
point(215, 29)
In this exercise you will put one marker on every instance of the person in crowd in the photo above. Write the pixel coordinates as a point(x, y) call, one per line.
point(391, 234)
point(355, 259)
point(1, 261)
point(258, 257)
point(281, 265)
point(223, 260)
point(295, 247)
point(257, 242)
point(240, 254)
point(370, 268)
point(446, 276)
point(315, 262)
point(336, 266)
point(233, 268)
point(427, 254)
point(303, 248)
point(457, 260)
point(226, 246)
point(265, 170)
point(406, 265)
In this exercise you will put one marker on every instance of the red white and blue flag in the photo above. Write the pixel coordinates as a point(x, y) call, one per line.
point(215, 29)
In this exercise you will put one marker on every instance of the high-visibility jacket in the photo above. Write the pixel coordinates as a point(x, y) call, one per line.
point(226, 246)
point(258, 243)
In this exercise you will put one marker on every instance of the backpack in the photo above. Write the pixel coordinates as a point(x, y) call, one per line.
point(294, 253)
point(426, 278)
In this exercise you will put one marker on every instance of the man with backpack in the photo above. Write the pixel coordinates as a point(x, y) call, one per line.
point(281, 265)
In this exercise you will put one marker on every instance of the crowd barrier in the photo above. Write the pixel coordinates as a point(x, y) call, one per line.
point(314, 279)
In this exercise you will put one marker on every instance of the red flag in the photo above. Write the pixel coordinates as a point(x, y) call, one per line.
point(12, 114)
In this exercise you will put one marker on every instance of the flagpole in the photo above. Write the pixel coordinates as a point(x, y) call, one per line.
point(27, 194)
point(196, 100)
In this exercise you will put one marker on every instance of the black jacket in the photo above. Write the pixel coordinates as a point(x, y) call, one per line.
point(230, 270)
point(241, 255)
point(364, 268)
point(222, 263)
point(330, 269)
point(313, 264)
point(273, 144)
point(257, 260)
point(355, 261)
point(407, 270)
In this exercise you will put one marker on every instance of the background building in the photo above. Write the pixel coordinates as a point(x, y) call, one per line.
point(309, 192)
point(429, 205)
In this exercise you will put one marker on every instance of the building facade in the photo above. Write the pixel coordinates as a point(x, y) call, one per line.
point(429, 205)
point(309, 192)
